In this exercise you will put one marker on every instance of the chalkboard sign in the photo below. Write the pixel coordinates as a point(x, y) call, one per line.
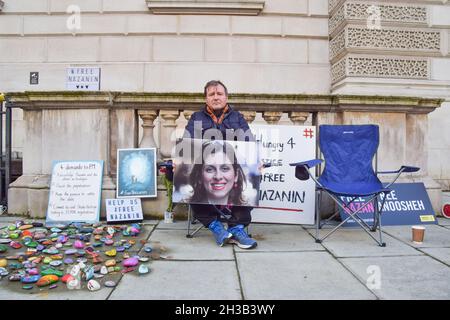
point(75, 192)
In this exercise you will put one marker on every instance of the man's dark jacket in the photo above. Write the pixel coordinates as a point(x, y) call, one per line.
point(232, 121)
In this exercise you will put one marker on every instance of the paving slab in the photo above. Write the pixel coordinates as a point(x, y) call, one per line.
point(14, 291)
point(443, 221)
point(413, 277)
point(275, 237)
point(435, 236)
point(182, 280)
point(441, 254)
point(177, 225)
point(357, 243)
point(200, 247)
point(297, 275)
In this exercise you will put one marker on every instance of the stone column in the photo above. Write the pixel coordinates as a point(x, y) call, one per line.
point(249, 116)
point(298, 118)
point(272, 117)
point(147, 116)
point(187, 114)
point(168, 127)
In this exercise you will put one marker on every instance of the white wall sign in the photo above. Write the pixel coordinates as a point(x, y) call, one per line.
point(129, 209)
point(283, 198)
point(83, 78)
point(75, 192)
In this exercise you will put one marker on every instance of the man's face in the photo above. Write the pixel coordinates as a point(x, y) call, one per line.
point(216, 97)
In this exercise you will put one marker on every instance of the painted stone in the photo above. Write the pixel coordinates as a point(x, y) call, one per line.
point(111, 269)
point(120, 249)
point(66, 278)
point(30, 279)
point(47, 260)
point(27, 287)
point(55, 230)
point(47, 280)
point(15, 277)
point(3, 272)
point(144, 259)
point(12, 227)
point(15, 245)
point(70, 251)
point(111, 253)
point(53, 286)
point(51, 271)
point(26, 227)
point(68, 261)
point(93, 285)
point(110, 284)
point(3, 248)
point(109, 242)
point(130, 262)
point(3, 263)
point(110, 263)
point(143, 269)
point(104, 270)
point(78, 244)
point(32, 244)
point(27, 233)
point(148, 249)
point(56, 263)
point(3, 241)
point(33, 272)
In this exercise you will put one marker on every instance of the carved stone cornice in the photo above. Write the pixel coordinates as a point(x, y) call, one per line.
point(246, 102)
point(228, 7)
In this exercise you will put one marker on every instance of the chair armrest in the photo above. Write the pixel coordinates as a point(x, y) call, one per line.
point(401, 170)
point(302, 168)
point(309, 164)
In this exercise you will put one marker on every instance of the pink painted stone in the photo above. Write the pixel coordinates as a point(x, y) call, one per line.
point(33, 272)
point(131, 262)
point(78, 244)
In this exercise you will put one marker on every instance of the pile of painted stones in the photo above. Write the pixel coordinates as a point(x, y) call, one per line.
point(77, 255)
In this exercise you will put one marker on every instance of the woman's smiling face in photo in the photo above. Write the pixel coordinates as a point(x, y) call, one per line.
point(219, 177)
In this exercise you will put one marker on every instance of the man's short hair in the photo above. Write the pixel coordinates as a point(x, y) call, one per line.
point(214, 83)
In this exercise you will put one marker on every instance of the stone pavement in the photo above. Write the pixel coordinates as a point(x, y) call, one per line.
point(287, 264)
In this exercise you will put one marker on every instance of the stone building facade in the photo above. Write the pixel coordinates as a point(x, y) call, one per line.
point(284, 61)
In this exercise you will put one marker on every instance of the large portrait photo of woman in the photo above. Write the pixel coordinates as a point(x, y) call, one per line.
point(218, 172)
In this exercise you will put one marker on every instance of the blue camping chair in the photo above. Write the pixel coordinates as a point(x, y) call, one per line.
point(348, 152)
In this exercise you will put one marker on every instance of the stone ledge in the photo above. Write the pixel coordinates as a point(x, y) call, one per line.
point(216, 7)
point(33, 100)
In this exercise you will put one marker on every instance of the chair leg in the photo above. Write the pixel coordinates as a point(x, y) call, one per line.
point(318, 197)
point(191, 220)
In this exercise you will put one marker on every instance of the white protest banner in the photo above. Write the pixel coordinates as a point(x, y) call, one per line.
point(283, 198)
point(119, 210)
point(75, 192)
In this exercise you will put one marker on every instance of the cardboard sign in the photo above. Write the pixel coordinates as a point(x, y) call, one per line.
point(283, 198)
point(120, 210)
point(136, 173)
point(407, 204)
point(75, 192)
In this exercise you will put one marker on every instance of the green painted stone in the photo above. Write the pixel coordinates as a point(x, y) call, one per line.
point(12, 228)
point(47, 260)
point(3, 248)
point(117, 268)
point(50, 271)
point(27, 287)
point(31, 244)
point(13, 235)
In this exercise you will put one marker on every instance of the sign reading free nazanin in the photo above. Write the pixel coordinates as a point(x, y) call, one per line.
point(283, 198)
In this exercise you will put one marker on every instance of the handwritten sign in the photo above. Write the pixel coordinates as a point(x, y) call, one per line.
point(118, 210)
point(75, 192)
point(283, 198)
